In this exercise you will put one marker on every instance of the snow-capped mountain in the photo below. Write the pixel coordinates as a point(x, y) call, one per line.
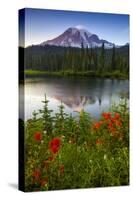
point(74, 37)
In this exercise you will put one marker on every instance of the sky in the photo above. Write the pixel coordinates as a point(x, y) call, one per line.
point(42, 25)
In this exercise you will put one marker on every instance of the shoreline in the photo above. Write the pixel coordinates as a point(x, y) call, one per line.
point(111, 75)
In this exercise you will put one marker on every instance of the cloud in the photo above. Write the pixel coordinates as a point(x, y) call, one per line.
point(80, 27)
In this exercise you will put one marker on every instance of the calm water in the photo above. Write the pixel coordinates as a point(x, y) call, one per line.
point(94, 95)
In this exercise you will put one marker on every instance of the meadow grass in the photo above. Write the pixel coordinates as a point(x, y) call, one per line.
point(63, 152)
point(112, 75)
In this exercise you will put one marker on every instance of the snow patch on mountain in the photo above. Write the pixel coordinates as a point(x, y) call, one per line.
point(76, 37)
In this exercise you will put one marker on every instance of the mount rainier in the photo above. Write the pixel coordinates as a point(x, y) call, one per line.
point(75, 37)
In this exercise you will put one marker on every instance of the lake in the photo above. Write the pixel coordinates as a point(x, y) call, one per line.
point(94, 95)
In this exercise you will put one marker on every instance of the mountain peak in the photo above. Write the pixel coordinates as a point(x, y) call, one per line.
point(81, 27)
point(75, 36)
point(79, 31)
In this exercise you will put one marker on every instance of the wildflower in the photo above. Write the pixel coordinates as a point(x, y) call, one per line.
point(116, 116)
point(36, 174)
point(98, 142)
point(61, 168)
point(43, 182)
point(54, 145)
point(110, 125)
point(118, 123)
point(62, 136)
point(38, 136)
point(54, 149)
point(106, 115)
point(97, 125)
point(111, 128)
point(45, 132)
point(55, 141)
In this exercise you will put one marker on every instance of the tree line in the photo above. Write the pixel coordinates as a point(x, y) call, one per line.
point(54, 59)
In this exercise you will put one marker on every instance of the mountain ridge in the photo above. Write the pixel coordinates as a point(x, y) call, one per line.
point(75, 37)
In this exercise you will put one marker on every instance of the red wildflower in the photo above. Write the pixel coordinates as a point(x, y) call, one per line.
point(43, 182)
point(97, 125)
point(100, 122)
point(111, 128)
point(106, 115)
point(36, 174)
point(110, 125)
point(116, 116)
point(55, 141)
point(113, 120)
point(61, 168)
point(54, 145)
point(98, 142)
point(118, 123)
point(38, 136)
point(54, 149)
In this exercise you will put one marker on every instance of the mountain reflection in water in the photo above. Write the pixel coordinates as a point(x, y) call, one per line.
point(76, 103)
point(94, 95)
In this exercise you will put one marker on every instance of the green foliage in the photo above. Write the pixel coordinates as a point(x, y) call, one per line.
point(113, 61)
point(60, 60)
point(46, 117)
point(60, 120)
point(112, 75)
point(89, 153)
point(102, 59)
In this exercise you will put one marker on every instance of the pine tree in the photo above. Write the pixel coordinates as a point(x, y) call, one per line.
point(102, 58)
point(127, 67)
point(34, 118)
point(46, 117)
point(95, 56)
point(113, 62)
point(60, 119)
point(83, 52)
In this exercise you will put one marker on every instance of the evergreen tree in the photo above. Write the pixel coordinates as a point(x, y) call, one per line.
point(72, 59)
point(60, 119)
point(46, 117)
point(102, 59)
point(113, 62)
point(95, 56)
